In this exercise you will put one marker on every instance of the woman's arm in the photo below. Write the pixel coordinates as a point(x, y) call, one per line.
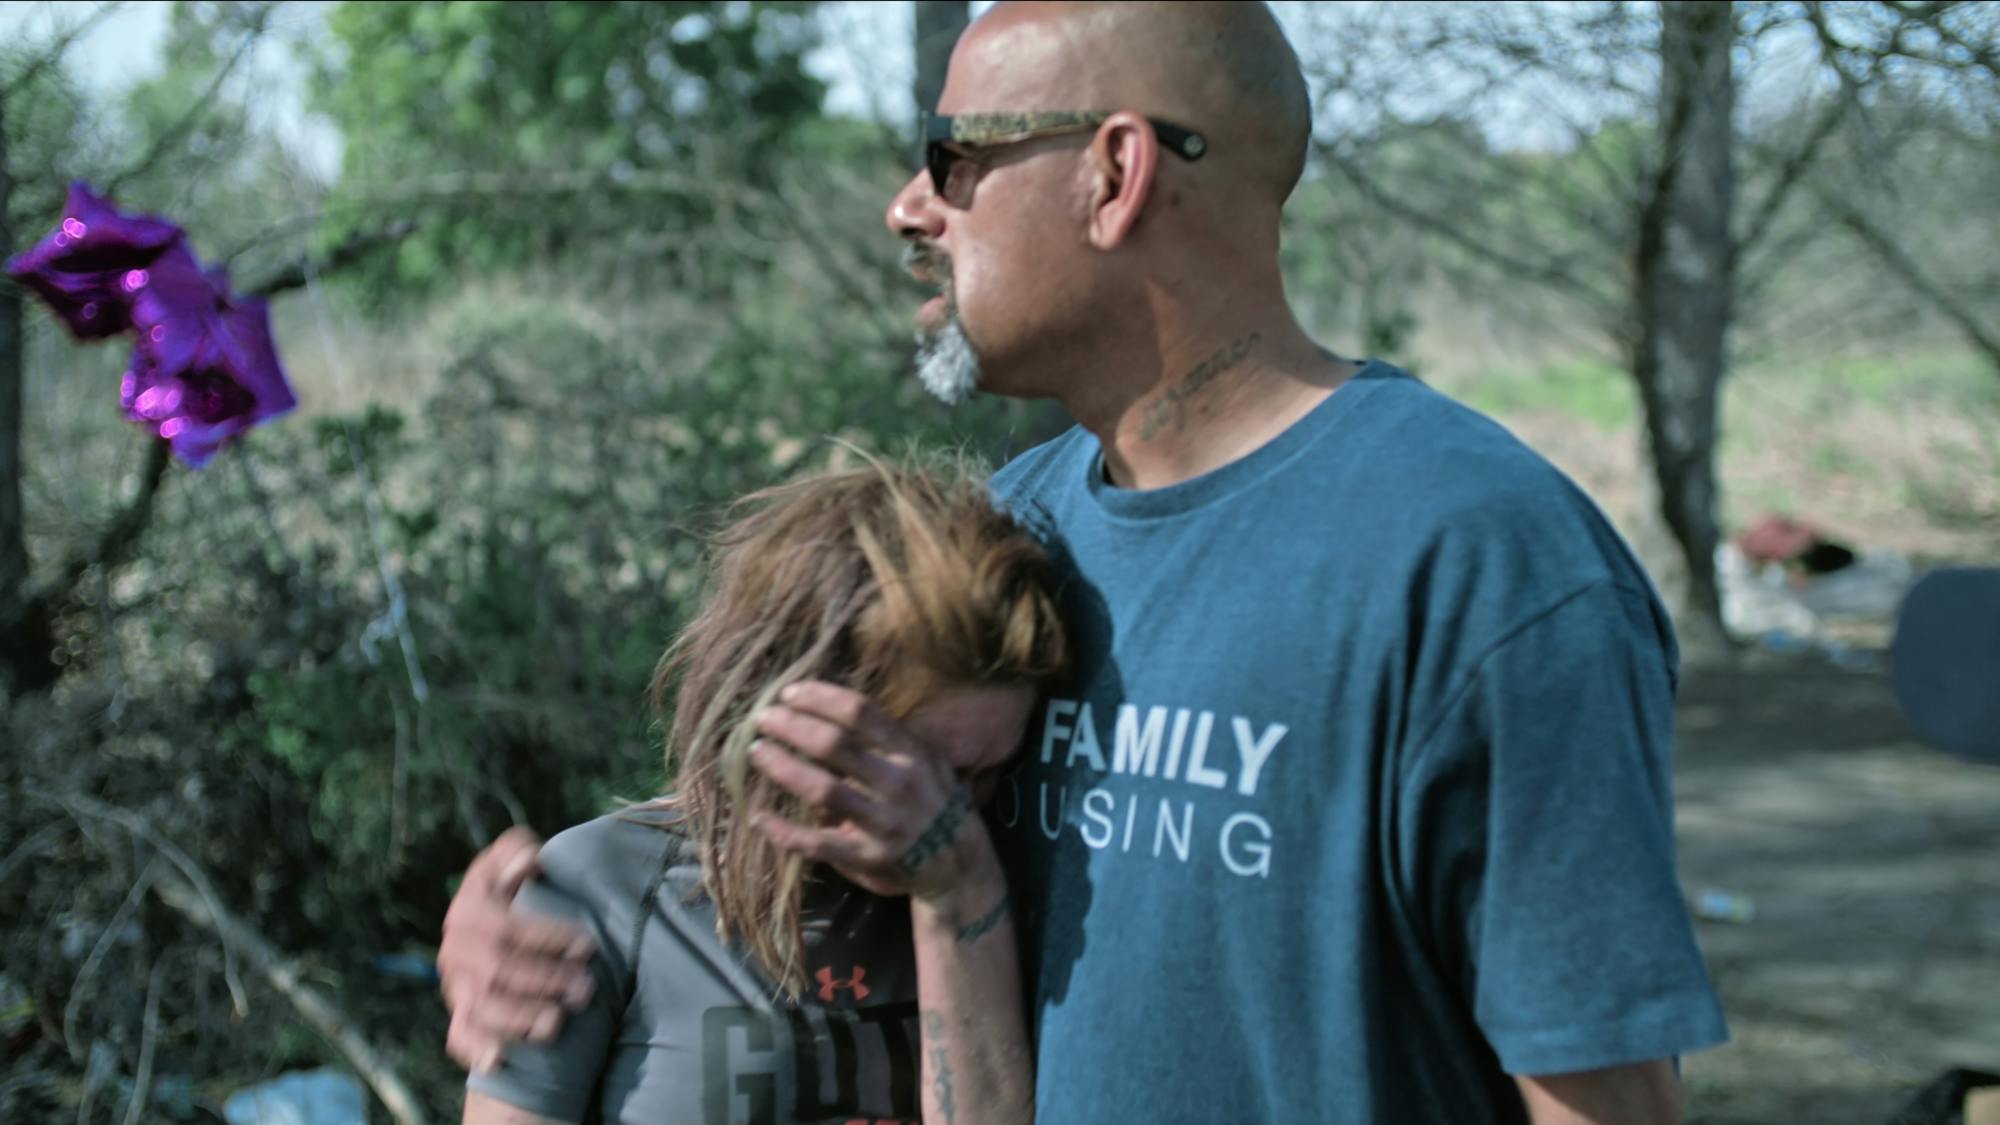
point(482, 1110)
point(901, 823)
point(976, 1063)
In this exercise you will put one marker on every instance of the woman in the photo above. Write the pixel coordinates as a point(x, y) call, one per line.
point(802, 930)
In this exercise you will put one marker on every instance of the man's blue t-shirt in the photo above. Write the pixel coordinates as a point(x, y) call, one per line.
point(1357, 799)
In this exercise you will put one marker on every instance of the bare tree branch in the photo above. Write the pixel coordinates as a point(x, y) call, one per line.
point(1754, 279)
point(56, 50)
point(105, 938)
point(84, 808)
point(149, 1034)
point(284, 975)
point(196, 110)
point(1621, 185)
point(1905, 269)
point(1974, 55)
point(30, 847)
point(296, 273)
point(458, 187)
point(1790, 172)
point(538, 185)
point(192, 895)
point(1555, 274)
point(1833, 52)
point(117, 539)
point(1982, 55)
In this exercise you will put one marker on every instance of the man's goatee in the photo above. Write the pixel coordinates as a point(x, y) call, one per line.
point(946, 363)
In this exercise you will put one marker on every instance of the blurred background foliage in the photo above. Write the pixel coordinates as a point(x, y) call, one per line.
point(636, 112)
point(586, 272)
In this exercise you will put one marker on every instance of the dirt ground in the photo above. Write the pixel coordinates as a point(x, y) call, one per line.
point(1872, 962)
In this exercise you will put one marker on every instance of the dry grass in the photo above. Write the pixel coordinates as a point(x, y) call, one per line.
point(1898, 453)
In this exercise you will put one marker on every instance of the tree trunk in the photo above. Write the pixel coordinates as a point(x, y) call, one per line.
point(939, 24)
point(26, 636)
point(1685, 290)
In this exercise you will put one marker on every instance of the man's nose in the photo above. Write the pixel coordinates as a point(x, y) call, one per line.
point(913, 211)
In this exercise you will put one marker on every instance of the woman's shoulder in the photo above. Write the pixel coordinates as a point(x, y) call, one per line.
point(611, 868)
point(644, 875)
point(627, 847)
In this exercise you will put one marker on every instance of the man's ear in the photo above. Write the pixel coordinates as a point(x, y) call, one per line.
point(1124, 156)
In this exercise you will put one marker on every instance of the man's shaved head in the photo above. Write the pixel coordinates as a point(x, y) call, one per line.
point(1064, 254)
point(1221, 68)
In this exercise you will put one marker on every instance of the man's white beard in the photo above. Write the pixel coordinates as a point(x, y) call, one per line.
point(946, 362)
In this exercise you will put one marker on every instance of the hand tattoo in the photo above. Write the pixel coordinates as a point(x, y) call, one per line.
point(979, 927)
point(1171, 409)
point(939, 835)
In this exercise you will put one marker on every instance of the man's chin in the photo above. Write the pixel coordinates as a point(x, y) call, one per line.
point(951, 387)
point(932, 316)
point(946, 363)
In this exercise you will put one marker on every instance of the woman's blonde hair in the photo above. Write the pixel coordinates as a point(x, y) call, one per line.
point(895, 579)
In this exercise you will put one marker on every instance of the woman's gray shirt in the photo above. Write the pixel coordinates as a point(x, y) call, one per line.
point(682, 1030)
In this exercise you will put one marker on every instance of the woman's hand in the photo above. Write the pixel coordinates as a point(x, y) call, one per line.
point(898, 821)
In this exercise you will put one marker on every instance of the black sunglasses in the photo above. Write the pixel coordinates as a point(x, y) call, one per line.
point(985, 130)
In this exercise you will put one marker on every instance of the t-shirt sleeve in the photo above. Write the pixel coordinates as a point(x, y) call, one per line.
point(1538, 844)
point(559, 1079)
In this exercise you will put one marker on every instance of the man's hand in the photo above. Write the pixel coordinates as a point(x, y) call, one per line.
point(897, 819)
point(1645, 1093)
point(506, 976)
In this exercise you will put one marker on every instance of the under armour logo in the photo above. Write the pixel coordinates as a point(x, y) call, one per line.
point(830, 984)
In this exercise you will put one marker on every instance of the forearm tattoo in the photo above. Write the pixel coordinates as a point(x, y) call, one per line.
point(981, 926)
point(934, 1027)
point(939, 835)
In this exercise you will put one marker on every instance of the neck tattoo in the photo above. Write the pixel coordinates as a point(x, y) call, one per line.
point(1171, 408)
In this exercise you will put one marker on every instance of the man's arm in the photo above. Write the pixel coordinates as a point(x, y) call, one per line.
point(1539, 826)
point(1647, 1093)
point(505, 976)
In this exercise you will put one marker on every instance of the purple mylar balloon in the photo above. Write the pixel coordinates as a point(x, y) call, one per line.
point(79, 270)
point(205, 368)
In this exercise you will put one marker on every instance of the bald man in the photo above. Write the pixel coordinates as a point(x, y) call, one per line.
point(1356, 806)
